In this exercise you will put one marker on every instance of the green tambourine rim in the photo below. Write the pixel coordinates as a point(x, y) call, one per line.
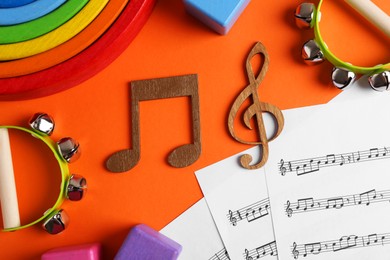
point(64, 176)
point(333, 59)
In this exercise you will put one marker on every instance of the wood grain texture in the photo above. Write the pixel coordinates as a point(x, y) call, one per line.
point(38, 27)
point(84, 65)
point(68, 49)
point(56, 37)
point(142, 90)
point(14, 3)
point(28, 12)
point(255, 110)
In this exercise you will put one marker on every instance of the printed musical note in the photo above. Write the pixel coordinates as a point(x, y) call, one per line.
point(309, 167)
point(309, 204)
point(313, 248)
point(343, 243)
point(367, 197)
point(305, 166)
point(255, 110)
point(220, 255)
point(342, 159)
point(336, 203)
point(374, 152)
point(252, 212)
point(385, 151)
point(142, 90)
point(330, 159)
point(304, 204)
point(261, 251)
point(373, 239)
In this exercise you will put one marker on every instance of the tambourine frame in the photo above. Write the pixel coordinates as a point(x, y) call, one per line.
point(64, 177)
point(333, 58)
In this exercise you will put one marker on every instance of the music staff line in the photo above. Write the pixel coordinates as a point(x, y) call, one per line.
point(343, 243)
point(220, 255)
point(311, 204)
point(250, 213)
point(261, 251)
point(305, 166)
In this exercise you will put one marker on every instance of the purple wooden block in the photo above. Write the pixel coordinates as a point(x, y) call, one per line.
point(79, 252)
point(145, 243)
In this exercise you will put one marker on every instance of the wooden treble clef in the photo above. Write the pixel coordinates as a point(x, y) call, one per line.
point(255, 110)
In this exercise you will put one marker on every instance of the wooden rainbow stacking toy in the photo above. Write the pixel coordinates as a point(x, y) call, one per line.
point(47, 46)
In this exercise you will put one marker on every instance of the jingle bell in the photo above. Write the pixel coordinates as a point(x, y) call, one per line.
point(311, 53)
point(42, 123)
point(380, 81)
point(77, 187)
point(342, 78)
point(69, 149)
point(304, 15)
point(56, 223)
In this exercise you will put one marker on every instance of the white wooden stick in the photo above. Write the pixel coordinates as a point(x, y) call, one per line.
point(372, 13)
point(8, 197)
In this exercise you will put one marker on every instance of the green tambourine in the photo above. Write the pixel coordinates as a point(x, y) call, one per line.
point(73, 187)
point(316, 51)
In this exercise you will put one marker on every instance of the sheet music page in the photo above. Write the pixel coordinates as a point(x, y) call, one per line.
point(329, 183)
point(240, 208)
point(196, 232)
point(238, 198)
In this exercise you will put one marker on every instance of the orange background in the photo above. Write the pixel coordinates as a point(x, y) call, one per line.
point(97, 114)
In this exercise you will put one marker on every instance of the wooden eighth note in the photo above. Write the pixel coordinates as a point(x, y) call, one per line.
point(255, 110)
point(142, 90)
